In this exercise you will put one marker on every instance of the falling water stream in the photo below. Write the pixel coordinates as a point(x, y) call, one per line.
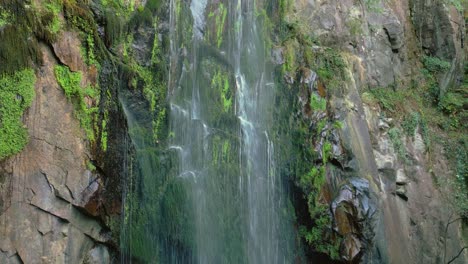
point(217, 195)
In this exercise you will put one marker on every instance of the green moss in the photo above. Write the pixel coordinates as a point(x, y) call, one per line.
point(154, 91)
point(220, 21)
point(220, 83)
point(104, 131)
point(70, 83)
point(290, 57)
point(90, 166)
point(16, 94)
point(156, 50)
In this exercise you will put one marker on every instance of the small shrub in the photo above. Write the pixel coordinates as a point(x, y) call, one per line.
point(435, 65)
point(4, 17)
point(396, 136)
point(318, 103)
point(453, 102)
point(16, 94)
point(410, 123)
point(388, 99)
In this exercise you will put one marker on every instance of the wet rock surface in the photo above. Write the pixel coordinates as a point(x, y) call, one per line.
point(353, 212)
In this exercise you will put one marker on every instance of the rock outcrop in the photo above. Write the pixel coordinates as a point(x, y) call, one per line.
point(383, 45)
point(46, 187)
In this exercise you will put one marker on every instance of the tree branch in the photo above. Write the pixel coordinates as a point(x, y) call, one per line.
point(459, 253)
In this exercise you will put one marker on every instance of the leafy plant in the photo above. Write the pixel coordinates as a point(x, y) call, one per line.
point(16, 95)
point(54, 7)
point(435, 65)
point(4, 17)
point(318, 103)
point(71, 85)
point(410, 123)
point(396, 136)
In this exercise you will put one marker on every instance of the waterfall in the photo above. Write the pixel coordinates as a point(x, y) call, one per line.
point(212, 194)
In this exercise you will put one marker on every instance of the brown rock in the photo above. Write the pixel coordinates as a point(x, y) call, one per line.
point(67, 49)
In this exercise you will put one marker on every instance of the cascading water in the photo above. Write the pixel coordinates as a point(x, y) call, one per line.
point(214, 190)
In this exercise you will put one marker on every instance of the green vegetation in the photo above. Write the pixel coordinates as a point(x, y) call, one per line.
point(311, 149)
point(318, 103)
point(319, 234)
point(460, 5)
point(81, 19)
point(217, 20)
point(220, 83)
point(90, 57)
point(154, 91)
point(156, 50)
point(441, 120)
point(290, 65)
point(220, 21)
point(55, 8)
point(90, 166)
point(410, 123)
point(373, 5)
point(104, 131)
point(16, 94)
point(122, 8)
point(70, 83)
point(4, 17)
point(435, 65)
point(355, 26)
point(396, 138)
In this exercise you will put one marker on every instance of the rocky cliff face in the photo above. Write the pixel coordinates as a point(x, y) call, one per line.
point(47, 187)
point(383, 44)
point(385, 190)
point(61, 195)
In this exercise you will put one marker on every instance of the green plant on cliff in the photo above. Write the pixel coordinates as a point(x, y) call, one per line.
point(373, 5)
point(396, 138)
point(70, 83)
point(16, 94)
point(301, 52)
point(156, 50)
point(220, 83)
point(410, 123)
point(4, 17)
point(318, 103)
point(220, 21)
point(435, 65)
point(319, 234)
point(54, 7)
point(460, 5)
